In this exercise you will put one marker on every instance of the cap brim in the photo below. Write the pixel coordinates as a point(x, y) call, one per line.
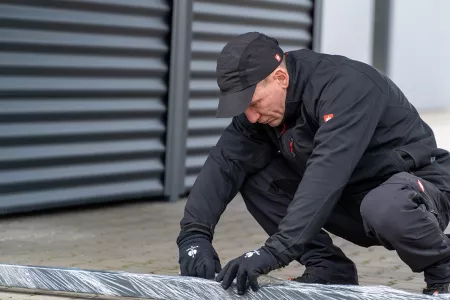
point(234, 104)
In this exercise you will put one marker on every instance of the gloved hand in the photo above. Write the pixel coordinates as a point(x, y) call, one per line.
point(248, 267)
point(197, 257)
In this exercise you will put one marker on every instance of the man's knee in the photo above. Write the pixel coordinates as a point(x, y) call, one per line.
point(378, 213)
point(388, 211)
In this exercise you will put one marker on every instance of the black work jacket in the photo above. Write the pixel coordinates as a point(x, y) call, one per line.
point(347, 128)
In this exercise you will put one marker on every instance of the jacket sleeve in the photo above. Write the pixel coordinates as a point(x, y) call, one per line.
point(348, 111)
point(243, 149)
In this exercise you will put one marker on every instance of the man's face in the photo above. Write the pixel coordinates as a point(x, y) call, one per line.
point(268, 102)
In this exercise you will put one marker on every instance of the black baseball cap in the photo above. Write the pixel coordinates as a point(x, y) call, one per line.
point(244, 61)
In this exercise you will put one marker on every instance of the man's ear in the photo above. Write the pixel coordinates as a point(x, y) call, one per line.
point(282, 76)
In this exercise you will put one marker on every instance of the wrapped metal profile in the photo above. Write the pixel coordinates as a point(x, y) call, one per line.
point(150, 286)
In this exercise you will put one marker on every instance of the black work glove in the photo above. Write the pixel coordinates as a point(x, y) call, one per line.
point(248, 267)
point(197, 257)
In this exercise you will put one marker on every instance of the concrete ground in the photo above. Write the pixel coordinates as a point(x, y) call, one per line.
point(140, 237)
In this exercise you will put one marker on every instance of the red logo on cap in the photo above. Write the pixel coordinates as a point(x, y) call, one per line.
point(278, 57)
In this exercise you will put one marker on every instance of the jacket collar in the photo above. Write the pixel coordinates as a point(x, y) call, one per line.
point(300, 70)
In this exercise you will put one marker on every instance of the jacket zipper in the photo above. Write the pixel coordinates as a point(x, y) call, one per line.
point(291, 142)
point(283, 130)
point(291, 147)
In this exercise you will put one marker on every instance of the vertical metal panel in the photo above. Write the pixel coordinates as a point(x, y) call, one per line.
point(178, 95)
point(382, 16)
point(214, 23)
point(83, 98)
point(317, 25)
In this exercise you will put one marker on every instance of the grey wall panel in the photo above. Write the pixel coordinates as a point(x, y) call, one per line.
point(214, 23)
point(180, 56)
point(83, 101)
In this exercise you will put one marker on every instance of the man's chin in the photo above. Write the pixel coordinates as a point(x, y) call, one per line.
point(274, 123)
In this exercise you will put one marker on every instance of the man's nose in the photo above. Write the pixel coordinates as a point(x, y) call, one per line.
point(252, 116)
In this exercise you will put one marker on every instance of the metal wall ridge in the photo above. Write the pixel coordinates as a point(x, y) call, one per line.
point(112, 100)
point(83, 98)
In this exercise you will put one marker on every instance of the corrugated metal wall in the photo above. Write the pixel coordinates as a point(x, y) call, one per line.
point(214, 22)
point(83, 100)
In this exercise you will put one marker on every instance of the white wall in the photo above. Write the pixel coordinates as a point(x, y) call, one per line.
point(419, 51)
point(419, 44)
point(347, 28)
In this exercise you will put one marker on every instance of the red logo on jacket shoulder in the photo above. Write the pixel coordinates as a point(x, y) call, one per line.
point(327, 118)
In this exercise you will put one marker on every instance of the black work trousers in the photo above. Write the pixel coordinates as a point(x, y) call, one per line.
point(398, 215)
